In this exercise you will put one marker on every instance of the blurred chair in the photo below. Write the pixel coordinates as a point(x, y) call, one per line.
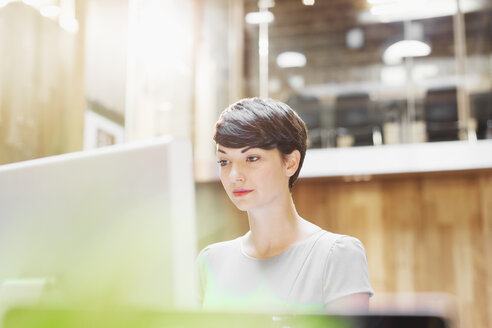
point(481, 110)
point(356, 121)
point(392, 111)
point(441, 114)
point(310, 110)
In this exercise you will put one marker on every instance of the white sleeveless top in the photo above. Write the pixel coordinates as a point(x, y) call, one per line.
point(305, 278)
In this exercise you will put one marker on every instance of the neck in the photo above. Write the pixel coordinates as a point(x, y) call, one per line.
point(274, 229)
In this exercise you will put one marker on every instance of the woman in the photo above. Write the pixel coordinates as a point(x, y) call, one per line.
point(283, 263)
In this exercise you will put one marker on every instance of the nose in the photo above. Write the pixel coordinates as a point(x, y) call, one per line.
point(236, 173)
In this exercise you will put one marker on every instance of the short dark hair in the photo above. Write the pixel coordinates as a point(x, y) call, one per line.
point(262, 123)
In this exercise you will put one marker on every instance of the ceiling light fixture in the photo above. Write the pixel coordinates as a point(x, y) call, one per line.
point(259, 17)
point(354, 38)
point(397, 10)
point(308, 2)
point(266, 4)
point(406, 48)
point(291, 59)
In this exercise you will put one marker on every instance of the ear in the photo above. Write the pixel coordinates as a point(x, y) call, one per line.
point(292, 162)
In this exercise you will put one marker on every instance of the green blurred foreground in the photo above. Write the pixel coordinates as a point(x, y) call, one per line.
point(58, 318)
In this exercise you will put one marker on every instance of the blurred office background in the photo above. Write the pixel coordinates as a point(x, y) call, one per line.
point(368, 74)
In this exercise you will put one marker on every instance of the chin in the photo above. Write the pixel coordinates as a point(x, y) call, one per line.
point(243, 204)
point(241, 207)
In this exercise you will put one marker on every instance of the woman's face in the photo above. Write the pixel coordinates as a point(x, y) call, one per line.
point(253, 177)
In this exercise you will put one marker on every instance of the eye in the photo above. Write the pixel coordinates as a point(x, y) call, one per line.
point(252, 158)
point(223, 162)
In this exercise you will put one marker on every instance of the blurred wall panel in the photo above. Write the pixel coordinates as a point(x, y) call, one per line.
point(218, 73)
point(106, 53)
point(486, 213)
point(41, 83)
point(160, 69)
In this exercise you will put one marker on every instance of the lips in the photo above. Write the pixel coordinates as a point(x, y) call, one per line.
point(241, 192)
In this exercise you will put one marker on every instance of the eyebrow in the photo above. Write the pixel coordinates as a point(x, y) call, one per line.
point(242, 151)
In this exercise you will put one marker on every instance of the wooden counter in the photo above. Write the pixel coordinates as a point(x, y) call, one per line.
point(423, 232)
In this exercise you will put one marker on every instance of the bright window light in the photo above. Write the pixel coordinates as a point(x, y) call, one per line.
point(406, 48)
point(291, 59)
point(31, 2)
point(69, 24)
point(165, 106)
point(3, 3)
point(35, 3)
point(50, 11)
point(376, 2)
point(259, 17)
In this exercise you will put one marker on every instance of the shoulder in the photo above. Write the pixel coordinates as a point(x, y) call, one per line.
point(340, 247)
point(346, 269)
point(219, 250)
point(330, 241)
point(348, 245)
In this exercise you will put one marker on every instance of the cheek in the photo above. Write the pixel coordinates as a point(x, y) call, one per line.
point(282, 178)
point(274, 179)
point(223, 179)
